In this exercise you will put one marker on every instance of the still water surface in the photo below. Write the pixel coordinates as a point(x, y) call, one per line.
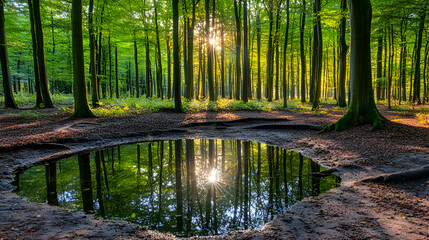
point(184, 187)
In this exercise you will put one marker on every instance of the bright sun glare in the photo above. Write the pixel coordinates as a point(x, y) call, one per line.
point(212, 176)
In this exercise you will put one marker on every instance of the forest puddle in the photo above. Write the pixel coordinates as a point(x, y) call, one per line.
point(183, 187)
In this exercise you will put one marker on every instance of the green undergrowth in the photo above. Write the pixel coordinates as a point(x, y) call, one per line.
point(126, 106)
point(28, 115)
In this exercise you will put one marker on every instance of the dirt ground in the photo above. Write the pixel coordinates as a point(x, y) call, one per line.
point(353, 211)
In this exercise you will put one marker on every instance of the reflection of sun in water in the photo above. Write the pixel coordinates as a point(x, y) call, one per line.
point(212, 176)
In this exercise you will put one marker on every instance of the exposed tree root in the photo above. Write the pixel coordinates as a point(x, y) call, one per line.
point(358, 116)
point(408, 175)
point(288, 127)
point(242, 120)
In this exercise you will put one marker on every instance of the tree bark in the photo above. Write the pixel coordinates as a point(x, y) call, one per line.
point(245, 55)
point(285, 89)
point(209, 53)
point(9, 101)
point(176, 66)
point(362, 108)
point(237, 12)
point(41, 56)
point(416, 92)
point(80, 95)
point(136, 64)
point(159, 64)
point(258, 43)
point(92, 61)
point(270, 54)
point(343, 58)
point(301, 41)
point(318, 56)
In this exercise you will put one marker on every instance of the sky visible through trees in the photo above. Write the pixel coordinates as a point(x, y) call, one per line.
point(269, 49)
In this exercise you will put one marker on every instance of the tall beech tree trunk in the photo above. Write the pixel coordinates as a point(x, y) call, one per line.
point(285, 89)
point(41, 56)
point(209, 53)
point(176, 51)
point(92, 60)
point(301, 42)
point(343, 58)
point(237, 12)
point(80, 95)
point(159, 64)
point(39, 97)
point(9, 101)
point(416, 92)
point(270, 54)
point(245, 55)
point(258, 43)
point(222, 62)
point(168, 67)
point(379, 67)
point(136, 64)
point(116, 72)
point(318, 56)
point(362, 108)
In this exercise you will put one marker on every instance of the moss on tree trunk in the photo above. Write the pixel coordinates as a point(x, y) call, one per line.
point(362, 108)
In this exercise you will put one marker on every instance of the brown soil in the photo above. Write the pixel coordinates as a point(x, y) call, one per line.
point(353, 211)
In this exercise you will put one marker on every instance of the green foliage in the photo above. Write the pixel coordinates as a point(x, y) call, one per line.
point(28, 115)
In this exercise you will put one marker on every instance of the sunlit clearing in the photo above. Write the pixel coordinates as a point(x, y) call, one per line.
point(212, 176)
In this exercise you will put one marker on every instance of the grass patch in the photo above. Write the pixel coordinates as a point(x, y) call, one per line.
point(29, 116)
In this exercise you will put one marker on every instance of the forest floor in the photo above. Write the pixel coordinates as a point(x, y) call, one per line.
point(355, 210)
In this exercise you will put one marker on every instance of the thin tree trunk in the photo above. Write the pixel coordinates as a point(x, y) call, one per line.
point(136, 63)
point(318, 56)
point(9, 100)
point(416, 92)
point(245, 55)
point(168, 67)
point(343, 58)
point(237, 11)
point(258, 42)
point(41, 56)
point(159, 64)
point(303, 64)
point(285, 89)
point(176, 51)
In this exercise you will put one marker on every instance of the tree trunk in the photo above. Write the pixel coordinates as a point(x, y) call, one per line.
point(245, 55)
point(416, 92)
point(222, 62)
point(116, 72)
point(270, 54)
point(176, 51)
point(168, 67)
point(80, 95)
point(237, 11)
point(41, 56)
point(318, 56)
point(362, 108)
point(285, 89)
point(301, 41)
point(277, 52)
point(9, 101)
point(92, 61)
point(379, 67)
point(258, 43)
point(39, 97)
point(136, 63)
point(209, 53)
point(159, 64)
point(343, 58)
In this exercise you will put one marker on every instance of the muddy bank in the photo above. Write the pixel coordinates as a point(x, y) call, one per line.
point(353, 211)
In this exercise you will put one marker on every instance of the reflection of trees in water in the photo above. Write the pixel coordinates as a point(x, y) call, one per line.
point(143, 185)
